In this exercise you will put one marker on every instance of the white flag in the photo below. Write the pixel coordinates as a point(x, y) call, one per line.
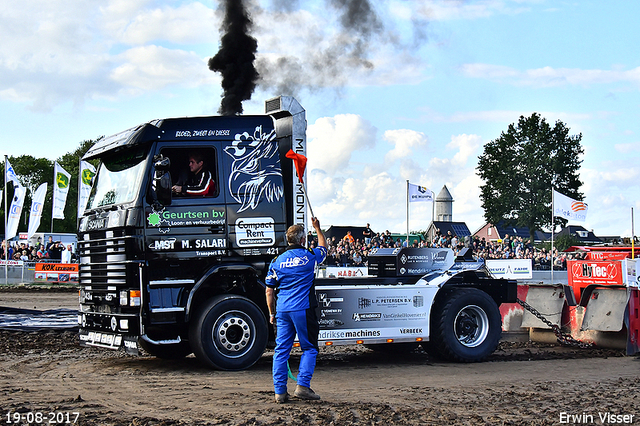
point(569, 208)
point(15, 211)
point(61, 181)
point(11, 174)
point(36, 209)
point(419, 193)
point(87, 172)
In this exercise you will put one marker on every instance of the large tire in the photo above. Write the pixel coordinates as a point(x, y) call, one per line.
point(172, 351)
point(229, 332)
point(466, 326)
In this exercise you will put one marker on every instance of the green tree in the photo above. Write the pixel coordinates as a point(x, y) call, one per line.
point(520, 168)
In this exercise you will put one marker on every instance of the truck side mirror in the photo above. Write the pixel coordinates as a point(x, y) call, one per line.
point(160, 191)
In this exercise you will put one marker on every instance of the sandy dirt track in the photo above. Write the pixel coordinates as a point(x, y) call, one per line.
point(522, 384)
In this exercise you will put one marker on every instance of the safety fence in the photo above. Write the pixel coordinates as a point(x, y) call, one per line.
point(50, 271)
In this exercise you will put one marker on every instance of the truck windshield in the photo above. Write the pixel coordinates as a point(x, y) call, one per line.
point(118, 179)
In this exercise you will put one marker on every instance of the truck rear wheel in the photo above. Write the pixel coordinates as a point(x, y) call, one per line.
point(229, 332)
point(466, 326)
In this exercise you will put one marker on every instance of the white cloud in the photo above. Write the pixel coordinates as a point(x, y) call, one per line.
point(342, 197)
point(628, 148)
point(467, 145)
point(333, 140)
point(405, 142)
point(322, 187)
point(446, 10)
point(150, 68)
point(467, 207)
point(550, 77)
point(413, 171)
point(67, 51)
point(187, 23)
point(611, 190)
point(72, 51)
point(507, 117)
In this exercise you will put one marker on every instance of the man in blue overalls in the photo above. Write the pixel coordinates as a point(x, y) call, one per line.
point(292, 303)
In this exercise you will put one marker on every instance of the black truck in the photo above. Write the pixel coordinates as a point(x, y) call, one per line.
point(175, 275)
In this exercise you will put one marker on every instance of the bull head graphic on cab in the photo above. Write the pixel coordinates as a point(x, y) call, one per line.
point(255, 171)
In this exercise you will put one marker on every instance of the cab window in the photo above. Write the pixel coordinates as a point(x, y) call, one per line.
point(193, 171)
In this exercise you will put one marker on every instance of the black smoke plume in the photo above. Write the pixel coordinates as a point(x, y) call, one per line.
point(235, 59)
point(360, 32)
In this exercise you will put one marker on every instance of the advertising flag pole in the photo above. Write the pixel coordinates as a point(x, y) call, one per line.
point(553, 228)
point(407, 212)
point(633, 237)
point(53, 194)
point(79, 183)
point(6, 243)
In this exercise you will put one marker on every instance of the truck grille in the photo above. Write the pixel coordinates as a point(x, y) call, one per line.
point(104, 259)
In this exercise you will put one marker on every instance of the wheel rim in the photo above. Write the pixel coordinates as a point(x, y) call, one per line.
point(233, 333)
point(471, 326)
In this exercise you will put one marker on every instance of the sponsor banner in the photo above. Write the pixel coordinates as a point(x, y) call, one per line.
point(384, 311)
point(170, 217)
point(61, 180)
point(569, 208)
point(36, 210)
point(87, 172)
point(15, 211)
point(255, 232)
point(607, 255)
point(422, 261)
point(372, 333)
point(4, 262)
point(513, 269)
point(419, 193)
point(632, 278)
point(584, 272)
point(185, 243)
point(57, 272)
point(409, 261)
point(11, 174)
point(342, 272)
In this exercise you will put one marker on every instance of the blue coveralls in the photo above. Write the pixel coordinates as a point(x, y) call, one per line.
point(292, 274)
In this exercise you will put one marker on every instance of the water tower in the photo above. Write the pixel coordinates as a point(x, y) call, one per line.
point(444, 206)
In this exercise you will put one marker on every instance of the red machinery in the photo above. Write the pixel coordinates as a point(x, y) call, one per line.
point(600, 304)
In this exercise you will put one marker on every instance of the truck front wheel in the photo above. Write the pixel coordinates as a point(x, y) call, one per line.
point(466, 326)
point(228, 332)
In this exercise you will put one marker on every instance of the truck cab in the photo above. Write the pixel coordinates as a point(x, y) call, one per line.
point(155, 265)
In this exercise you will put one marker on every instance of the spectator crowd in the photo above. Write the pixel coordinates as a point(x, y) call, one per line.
point(51, 251)
point(354, 250)
point(348, 251)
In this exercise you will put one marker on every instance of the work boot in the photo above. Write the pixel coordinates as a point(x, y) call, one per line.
point(281, 398)
point(304, 392)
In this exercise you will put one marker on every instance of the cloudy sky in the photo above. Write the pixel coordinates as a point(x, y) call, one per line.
point(394, 90)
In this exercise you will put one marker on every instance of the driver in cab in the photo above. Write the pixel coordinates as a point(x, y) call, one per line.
point(199, 182)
